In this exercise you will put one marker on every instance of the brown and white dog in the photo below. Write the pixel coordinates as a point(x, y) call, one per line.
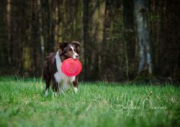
point(52, 73)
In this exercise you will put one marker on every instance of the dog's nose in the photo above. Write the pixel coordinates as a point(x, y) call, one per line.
point(77, 56)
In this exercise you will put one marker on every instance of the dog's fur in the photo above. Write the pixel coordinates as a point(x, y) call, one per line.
point(52, 73)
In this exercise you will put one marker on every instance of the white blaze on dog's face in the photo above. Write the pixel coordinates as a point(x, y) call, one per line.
point(69, 50)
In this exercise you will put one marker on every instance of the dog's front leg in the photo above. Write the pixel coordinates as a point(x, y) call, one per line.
point(75, 89)
point(54, 87)
point(61, 90)
point(75, 85)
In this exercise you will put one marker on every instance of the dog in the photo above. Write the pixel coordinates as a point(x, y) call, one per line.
point(52, 73)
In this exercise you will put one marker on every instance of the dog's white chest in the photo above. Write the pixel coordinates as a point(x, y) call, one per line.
point(60, 78)
point(63, 81)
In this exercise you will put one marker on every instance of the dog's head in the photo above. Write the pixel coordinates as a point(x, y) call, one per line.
point(69, 50)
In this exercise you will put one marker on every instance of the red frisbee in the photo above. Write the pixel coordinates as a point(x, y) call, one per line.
point(71, 67)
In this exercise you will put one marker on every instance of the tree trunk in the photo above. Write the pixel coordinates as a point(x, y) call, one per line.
point(98, 14)
point(145, 55)
point(56, 24)
point(35, 40)
point(85, 34)
point(3, 37)
point(9, 29)
point(128, 35)
point(41, 32)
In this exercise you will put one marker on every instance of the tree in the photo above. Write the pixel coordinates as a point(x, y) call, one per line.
point(144, 44)
point(4, 40)
point(41, 32)
point(85, 33)
point(129, 38)
point(56, 23)
point(9, 28)
point(97, 25)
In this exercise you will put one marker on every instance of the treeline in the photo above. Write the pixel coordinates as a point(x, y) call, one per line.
point(109, 32)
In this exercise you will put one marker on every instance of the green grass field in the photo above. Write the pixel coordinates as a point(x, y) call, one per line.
point(23, 104)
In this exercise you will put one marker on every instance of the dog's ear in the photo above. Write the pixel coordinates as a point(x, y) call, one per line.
point(77, 45)
point(62, 47)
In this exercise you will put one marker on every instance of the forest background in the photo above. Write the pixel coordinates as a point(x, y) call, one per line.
point(121, 40)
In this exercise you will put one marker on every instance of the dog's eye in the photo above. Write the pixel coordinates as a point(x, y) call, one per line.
point(70, 49)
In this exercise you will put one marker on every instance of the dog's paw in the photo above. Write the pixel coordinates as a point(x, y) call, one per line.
point(46, 93)
point(54, 94)
point(75, 89)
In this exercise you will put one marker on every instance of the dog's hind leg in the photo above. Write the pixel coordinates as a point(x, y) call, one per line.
point(75, 85)
point(47, 79)
point(47, 88)
point(55, 87)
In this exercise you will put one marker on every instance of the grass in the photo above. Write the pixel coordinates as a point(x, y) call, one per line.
point(22, 104)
